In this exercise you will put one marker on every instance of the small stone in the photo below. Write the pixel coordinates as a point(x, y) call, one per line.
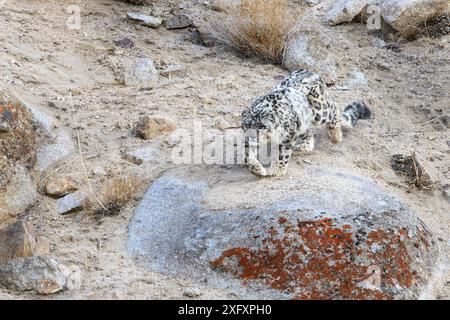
point(379, 43)
point(151, 127)
point(141, 73)
point(145, 20)
point(18, 240)
point(395, 47)
point(59, 187)
point(356, 79)
point(446, 193)
point(446, 121)
point(345, 11)
point(192, 292)
point(139, 156)
point(41, 275)
point(124, 43)
point(173, 70)
point(180, 21)
point(72, 202)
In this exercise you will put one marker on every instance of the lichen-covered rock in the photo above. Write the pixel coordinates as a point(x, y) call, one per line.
point(406, 16)
point(323, 256)
point(17, 156)
point(331, 236)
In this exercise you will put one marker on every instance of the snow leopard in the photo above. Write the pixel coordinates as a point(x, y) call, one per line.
point(285, 116)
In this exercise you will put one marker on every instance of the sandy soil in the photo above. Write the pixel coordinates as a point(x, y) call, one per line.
point(42, 61)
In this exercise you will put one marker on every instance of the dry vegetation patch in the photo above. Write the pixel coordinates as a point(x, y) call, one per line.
point(256, 27)
point(115, 194)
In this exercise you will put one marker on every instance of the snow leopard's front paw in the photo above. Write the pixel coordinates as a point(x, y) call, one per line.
point(335, 134)
point(277, 171)
point(255, 167)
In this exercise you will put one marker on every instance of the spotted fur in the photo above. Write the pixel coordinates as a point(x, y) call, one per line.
point(285, 116)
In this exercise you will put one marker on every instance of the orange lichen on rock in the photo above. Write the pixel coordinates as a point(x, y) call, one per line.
point(318, 260)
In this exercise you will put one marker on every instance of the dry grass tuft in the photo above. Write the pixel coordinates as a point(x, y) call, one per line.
point(412, 170)
point(256, 27)
point(115, 194)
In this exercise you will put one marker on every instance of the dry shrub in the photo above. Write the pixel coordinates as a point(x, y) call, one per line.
point(414, 172)
point(256, 27)
point(115, 194)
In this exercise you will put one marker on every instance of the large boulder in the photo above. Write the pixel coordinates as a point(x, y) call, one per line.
point(310, 51)
point(17, 157)
point(406, 16)
point(321, 235)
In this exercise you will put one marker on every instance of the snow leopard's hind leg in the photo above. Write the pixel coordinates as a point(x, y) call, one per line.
point(326, 111)
point(334, 123)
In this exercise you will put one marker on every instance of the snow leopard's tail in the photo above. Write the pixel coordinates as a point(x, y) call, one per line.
point(354, 112)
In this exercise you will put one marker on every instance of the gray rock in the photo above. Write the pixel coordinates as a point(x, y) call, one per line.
point(124, 43)
point(332, 236)
point(446, 193)
point(406, 16)
point(140, 72)
point(345, 11)
point(145, 20)
point(140, 156)
point(310, 52)
point(19, 194)
point(357, 79)
point(41, 275)
point(58, 142)
point(72, 202)
point(180, 21)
